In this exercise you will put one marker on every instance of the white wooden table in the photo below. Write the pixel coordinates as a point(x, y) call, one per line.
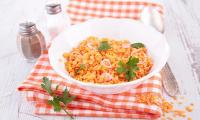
point(182, 25)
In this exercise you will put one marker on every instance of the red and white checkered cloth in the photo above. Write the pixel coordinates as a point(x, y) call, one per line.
point(121, 105)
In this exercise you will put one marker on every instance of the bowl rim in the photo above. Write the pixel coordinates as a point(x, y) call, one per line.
point(149, 75)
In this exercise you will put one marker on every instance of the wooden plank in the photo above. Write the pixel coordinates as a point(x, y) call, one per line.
point(177, 35)
point(13, 71)
point(182, 32)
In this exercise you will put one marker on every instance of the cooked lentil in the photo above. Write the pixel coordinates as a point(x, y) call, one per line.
point(100, 66)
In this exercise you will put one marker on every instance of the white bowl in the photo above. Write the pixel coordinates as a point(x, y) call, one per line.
point(131, 30)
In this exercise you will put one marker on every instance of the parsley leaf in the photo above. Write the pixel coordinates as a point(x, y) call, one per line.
point(55, 103)
point(57, 87)
point(104, 46)
point(137, 45)
point(82, 66)
point(129, 74)
point(135, 68)
point(129, 68)
point(58, 100)
point(132, 61)
point(121, 68)
point(46, 85)
point(66, 98)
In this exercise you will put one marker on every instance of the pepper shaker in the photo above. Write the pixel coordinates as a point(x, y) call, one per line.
point(30, 41)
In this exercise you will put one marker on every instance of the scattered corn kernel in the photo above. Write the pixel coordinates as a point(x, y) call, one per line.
point(169, 118)
point(180, 113)
point(148, 98)
point(174, 98)
point(189, 108)
point(180, 103)
point(163, 118)
point(189, 118)
point(166, 106)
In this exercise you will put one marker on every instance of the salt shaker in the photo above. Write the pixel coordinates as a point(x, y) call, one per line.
point(30, 41)
point(56, 20)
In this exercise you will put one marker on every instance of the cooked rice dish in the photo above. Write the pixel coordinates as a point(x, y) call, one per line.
point(107, 61)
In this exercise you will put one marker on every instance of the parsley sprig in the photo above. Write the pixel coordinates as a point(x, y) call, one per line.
point(104, 46)
point(128, 68)
point(137, 45)
point(59, 102)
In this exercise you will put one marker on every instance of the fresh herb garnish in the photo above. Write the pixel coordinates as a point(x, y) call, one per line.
point(128, 68)
point(63, 99)
point(104, 46)
point(137, 45)
point(82, 66)
point(46, 85)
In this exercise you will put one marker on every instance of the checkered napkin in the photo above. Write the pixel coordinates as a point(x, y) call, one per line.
point(123, 105)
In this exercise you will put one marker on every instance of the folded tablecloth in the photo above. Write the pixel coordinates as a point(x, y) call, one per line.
point(123, 105)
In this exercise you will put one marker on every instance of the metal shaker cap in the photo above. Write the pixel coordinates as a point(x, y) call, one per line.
point(53, 8)
point(27, 28)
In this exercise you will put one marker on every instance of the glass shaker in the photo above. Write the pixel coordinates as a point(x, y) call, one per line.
point(30, 41)
point(56, 20)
